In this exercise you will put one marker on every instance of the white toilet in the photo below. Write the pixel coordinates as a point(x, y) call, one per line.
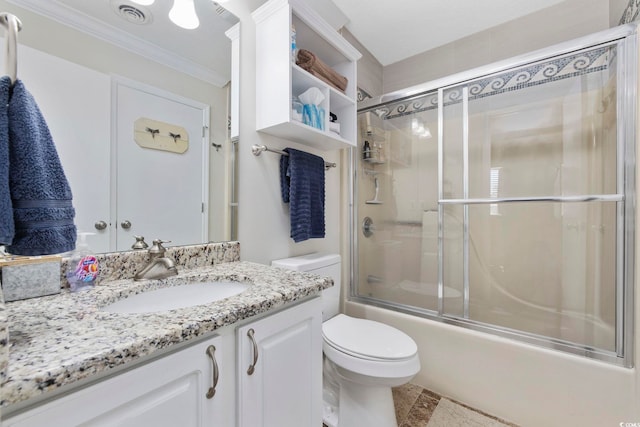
point(363, 358)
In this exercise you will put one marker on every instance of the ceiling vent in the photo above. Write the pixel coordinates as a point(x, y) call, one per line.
point(224, 13)
point(130, 13)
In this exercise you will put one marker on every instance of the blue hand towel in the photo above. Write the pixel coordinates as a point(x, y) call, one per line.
point(302, 186)
point(42, 202)
point(7, 228)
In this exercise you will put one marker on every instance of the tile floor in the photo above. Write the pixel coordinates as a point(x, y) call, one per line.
point(418, 407)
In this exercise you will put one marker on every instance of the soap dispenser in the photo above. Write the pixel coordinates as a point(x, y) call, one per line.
point(83, 269)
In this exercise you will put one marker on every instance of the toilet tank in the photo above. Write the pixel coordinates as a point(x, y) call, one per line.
point(326, 265)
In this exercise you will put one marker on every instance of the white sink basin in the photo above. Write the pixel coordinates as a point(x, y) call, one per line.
point(182, 296)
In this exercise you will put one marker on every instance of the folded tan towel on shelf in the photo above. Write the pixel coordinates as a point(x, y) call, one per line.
point(310, 62)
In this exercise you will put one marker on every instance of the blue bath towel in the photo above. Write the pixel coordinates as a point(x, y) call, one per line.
point(302, 186)
point(42, 202)
point(7, 228)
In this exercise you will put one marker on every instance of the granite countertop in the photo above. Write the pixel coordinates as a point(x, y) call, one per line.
point(60, 339)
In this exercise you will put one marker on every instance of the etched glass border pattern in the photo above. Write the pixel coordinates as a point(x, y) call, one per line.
point(558, 68)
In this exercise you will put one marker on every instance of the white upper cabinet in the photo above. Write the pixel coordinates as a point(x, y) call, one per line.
point(279, 81)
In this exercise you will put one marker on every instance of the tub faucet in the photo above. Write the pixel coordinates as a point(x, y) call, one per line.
point(160, 266)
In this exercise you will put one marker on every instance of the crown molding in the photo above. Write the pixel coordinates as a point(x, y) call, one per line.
point(233, 33)
point(268, 9)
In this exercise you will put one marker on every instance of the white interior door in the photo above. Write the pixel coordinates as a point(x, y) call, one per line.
point(158, 194)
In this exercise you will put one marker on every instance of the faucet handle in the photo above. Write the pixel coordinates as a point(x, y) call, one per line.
point(140, 243)
point(157, 248)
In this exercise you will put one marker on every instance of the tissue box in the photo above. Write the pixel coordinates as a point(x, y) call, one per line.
point(30, 277)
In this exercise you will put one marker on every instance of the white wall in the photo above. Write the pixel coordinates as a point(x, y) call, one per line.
point(369, 68)
point(567, 20)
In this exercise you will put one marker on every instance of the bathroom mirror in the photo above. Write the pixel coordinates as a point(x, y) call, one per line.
point(102, 72)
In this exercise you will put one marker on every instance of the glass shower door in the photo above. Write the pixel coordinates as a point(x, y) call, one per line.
point(533, 187)
point(397, 175)
point(504, 201)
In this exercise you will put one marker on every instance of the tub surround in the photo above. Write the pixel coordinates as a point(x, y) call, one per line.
point(61, 339)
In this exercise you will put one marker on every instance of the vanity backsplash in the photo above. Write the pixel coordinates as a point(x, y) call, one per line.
point(123, 265)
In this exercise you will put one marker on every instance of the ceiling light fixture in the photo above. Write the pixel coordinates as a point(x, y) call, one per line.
point(183, 14)
point(144, 2)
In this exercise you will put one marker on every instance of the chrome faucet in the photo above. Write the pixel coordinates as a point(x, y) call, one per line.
point(160, 266)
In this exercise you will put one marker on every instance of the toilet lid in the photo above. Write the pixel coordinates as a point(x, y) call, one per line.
point(367, 338)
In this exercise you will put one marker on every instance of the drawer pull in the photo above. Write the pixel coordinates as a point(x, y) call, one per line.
point(252, 367)
point(211, 350)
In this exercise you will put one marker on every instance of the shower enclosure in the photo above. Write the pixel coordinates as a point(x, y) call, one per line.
point(503, 199)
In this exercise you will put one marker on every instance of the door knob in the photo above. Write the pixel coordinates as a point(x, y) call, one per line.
point(100, 225)
point(126, 224)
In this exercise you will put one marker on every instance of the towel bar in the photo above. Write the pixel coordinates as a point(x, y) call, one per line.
point(13, 25)
point(258, 149)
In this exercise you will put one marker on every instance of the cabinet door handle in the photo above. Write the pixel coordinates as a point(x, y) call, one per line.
point(211, 350)
point(252, 367)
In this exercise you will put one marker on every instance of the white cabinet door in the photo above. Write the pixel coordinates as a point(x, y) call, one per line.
point(168, 392)
point(284, 388)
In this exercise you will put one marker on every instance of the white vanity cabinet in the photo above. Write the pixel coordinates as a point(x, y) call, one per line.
point(280, 369)
point(279, 79)
point(168, 392)
point(284, 388)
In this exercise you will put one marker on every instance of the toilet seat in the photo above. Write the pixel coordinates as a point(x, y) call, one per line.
point(361, 347)
point(368, 339)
